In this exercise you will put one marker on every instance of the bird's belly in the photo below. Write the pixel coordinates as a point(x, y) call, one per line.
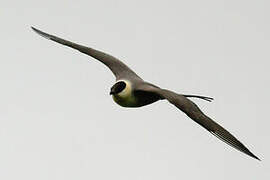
point(129, 101)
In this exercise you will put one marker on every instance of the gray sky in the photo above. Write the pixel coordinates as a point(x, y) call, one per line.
point(59, 122)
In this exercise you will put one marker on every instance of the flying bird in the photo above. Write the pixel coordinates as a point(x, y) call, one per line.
point(130, 90)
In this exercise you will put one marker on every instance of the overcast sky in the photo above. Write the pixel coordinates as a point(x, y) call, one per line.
point(57, 120)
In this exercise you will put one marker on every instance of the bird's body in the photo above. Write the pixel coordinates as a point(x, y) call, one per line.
point(132, 97)
point(130, 90)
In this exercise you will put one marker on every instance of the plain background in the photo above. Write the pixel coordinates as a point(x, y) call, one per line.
point(57, 120)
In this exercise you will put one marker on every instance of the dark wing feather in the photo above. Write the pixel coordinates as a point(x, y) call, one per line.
point(119, 69)
point(193, 111)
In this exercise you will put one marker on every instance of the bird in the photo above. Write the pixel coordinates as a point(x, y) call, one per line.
point(130, 90)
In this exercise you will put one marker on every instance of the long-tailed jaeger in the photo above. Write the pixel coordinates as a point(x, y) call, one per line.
point(132, 91)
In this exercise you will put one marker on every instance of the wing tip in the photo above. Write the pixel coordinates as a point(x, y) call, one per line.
point(239, 146)
point(35, 30)
point(254, 156)
point(41, 33)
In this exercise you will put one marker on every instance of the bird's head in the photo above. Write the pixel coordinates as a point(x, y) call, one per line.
point(122, 94)
point(118, 87)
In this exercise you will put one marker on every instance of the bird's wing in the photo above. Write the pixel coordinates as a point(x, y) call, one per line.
point(193, 111)
point(119, 69)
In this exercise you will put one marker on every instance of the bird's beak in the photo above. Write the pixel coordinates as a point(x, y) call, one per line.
point(112, 92)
